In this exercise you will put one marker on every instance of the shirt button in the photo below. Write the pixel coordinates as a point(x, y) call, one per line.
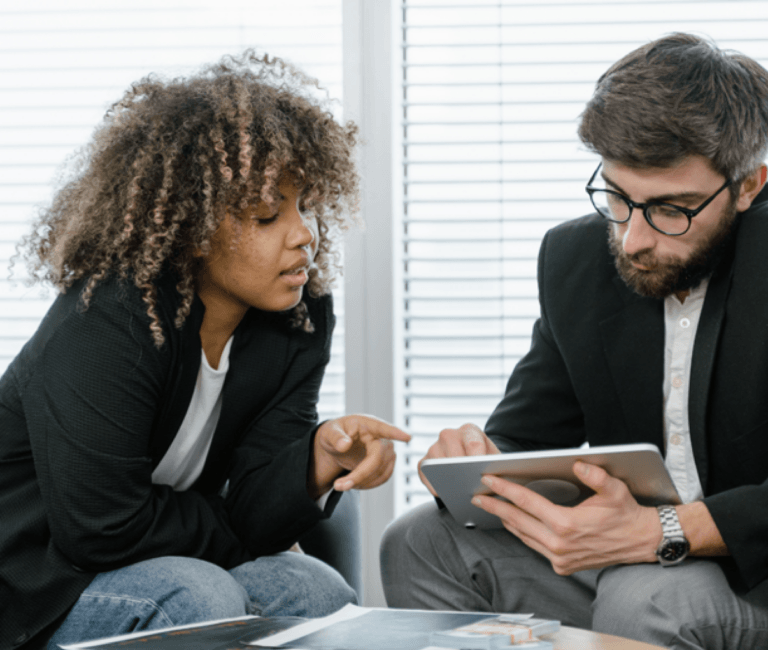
point(21, 639)
point(677, 381)
point(676, 439)
point(685, 323)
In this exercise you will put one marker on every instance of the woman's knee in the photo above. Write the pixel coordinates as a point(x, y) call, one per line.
point(293, 584)
point(150, 595)
point(185, 589)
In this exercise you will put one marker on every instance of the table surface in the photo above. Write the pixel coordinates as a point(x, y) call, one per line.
point(571, 638)
point(567, 638)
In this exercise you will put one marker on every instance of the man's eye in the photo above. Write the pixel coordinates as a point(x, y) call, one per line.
point(667, 211)
point(267, 221)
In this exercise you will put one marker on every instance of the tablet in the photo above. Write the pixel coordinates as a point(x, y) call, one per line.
point(549, 473)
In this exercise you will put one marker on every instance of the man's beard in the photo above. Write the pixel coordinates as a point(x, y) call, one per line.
point(668, 276)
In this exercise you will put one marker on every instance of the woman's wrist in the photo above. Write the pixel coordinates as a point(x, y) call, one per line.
point(323, 468)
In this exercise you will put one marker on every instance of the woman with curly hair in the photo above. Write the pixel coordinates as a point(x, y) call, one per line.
point(159, 442)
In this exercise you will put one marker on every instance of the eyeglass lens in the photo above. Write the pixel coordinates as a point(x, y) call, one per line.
point(614, 207)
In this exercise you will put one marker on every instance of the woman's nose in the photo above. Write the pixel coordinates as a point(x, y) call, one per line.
point(305, 232)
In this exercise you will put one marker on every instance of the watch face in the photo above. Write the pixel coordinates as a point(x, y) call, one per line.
point(674, 548)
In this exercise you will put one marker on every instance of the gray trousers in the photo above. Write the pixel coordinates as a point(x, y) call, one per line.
point(430, 562)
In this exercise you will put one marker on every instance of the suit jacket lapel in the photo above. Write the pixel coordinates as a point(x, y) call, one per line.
point(703, 362)
point(633, 342)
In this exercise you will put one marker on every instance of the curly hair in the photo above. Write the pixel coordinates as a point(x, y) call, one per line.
point(172, 156)
point(677, 96)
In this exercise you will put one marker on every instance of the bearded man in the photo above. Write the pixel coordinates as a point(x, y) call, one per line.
point(654, 329)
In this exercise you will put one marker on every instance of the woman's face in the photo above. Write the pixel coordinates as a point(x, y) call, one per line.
point(261, 260)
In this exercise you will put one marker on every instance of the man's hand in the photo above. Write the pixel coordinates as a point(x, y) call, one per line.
point(608, 528)
point(467, 440)
point(358, 444)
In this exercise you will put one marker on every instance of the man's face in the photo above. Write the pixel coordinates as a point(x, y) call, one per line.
point(657, 265)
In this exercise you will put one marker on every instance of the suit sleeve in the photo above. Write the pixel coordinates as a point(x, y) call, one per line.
point(90, 408)
point(268, 500)
point(539, 409)
point(740, 516)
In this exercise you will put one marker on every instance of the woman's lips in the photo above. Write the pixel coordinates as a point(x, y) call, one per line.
point(297, 276)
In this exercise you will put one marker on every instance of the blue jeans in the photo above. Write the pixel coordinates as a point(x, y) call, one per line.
point(170, 591)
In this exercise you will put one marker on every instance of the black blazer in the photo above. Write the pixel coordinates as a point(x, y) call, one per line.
point(88, 409)
point(595, 372)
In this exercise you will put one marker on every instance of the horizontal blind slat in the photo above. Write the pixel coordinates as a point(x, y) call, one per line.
point(490, 99)
point(63, 64)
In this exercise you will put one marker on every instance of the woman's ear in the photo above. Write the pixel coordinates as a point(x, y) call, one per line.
point(223, 230)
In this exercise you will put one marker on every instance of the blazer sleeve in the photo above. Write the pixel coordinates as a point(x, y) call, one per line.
point(741, 517)
point(267, 500)
point(90, 405)
point(540, 408)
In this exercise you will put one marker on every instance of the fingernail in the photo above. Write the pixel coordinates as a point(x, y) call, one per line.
point(477, 501)
point(487, 480)
point(340, 486)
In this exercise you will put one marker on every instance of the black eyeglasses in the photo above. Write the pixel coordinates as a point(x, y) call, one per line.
point(666, 218)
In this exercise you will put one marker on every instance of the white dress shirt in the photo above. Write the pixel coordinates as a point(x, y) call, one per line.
point(680, 323)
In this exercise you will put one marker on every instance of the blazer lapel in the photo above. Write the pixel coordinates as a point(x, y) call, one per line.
point(250, 385)
point(633, 342)
point(187, 351)
point(703, 362)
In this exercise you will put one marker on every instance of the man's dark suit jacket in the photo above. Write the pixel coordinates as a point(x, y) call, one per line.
point(88, 409)
point(595, 372)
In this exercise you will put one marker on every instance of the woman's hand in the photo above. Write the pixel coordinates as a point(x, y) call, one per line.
point(358, 444)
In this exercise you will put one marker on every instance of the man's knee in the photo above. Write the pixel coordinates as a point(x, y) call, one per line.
point(421, 563)
point(656, 604)
point(412, 534)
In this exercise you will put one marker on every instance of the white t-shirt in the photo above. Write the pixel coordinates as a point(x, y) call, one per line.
point(183, 462)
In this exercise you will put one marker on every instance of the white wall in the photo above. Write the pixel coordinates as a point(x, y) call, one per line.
point(369, 282)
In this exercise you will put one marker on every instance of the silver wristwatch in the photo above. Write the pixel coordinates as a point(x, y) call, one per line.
point(674, 547)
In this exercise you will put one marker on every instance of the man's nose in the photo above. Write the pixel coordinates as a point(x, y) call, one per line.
point(638, 235)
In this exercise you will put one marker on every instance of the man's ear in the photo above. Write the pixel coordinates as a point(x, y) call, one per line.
point(750, 188)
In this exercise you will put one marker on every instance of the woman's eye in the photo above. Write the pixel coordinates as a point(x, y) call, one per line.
point(267, 221)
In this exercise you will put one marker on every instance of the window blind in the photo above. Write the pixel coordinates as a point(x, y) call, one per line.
point(491, 94)
point(62, 64)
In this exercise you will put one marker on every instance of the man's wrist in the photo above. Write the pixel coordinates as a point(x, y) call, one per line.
point(651, 527)
point(700, 529)
point(674, 546)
